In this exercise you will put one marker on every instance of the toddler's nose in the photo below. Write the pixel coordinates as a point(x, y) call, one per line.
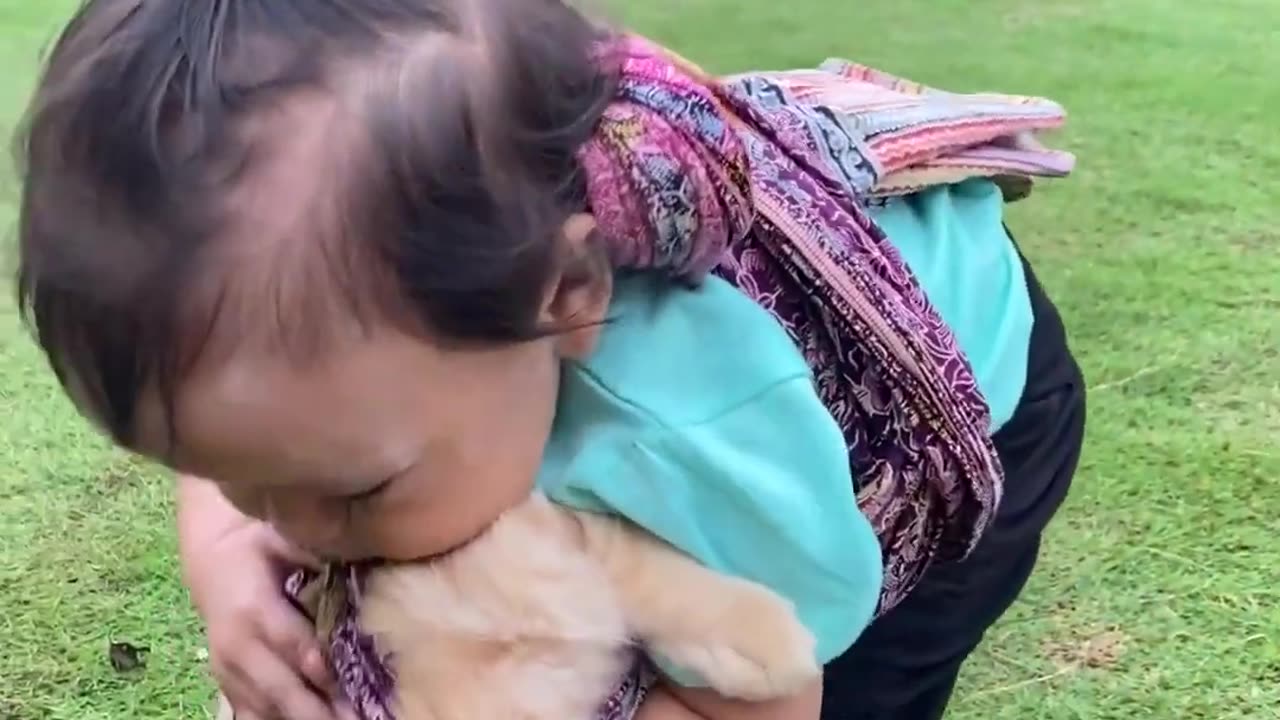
point(308, 522)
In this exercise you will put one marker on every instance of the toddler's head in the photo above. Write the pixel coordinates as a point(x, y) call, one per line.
point(327, 253)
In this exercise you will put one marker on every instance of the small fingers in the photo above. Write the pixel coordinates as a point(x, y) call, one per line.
point(241, 698)
point(293, 638)
point(275, 691)
point(316, 671)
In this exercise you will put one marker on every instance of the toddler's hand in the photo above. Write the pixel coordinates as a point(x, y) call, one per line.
point(263, 651)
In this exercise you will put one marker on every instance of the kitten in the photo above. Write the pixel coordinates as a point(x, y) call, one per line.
point(538, 618)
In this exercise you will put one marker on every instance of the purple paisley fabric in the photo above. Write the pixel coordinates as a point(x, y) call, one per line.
point(362, 673)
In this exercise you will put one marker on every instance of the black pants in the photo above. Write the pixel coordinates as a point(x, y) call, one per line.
point(906, 663)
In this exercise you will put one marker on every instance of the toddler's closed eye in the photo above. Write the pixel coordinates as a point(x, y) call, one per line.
point(371, 493)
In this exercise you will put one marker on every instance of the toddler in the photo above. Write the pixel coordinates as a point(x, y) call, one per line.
point(366, 273)
point(336, 257)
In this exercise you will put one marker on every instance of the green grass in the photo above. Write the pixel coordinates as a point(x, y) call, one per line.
point(1157, 594)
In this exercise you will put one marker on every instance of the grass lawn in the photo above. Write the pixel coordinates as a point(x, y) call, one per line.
point(1157, 596)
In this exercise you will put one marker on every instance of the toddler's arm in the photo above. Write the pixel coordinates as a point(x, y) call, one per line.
point(662, 704)
point(203, 515)
point(674, 703)
point(264, 652)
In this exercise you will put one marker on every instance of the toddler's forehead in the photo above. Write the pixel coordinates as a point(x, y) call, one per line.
point(292, 263)
point(297, 153)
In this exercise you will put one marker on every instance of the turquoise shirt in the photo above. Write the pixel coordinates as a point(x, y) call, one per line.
point(698, 420)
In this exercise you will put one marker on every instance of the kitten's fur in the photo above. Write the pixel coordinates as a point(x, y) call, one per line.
point(536, 620)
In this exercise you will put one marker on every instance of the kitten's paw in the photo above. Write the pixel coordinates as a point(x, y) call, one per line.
point(750, 646)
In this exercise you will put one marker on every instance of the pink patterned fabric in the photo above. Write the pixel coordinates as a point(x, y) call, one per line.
point(671, 189)
point(916, 136)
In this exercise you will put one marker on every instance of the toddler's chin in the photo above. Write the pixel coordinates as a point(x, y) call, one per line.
point(414, 552)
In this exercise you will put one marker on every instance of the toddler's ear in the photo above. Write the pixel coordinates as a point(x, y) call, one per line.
point(578, 297)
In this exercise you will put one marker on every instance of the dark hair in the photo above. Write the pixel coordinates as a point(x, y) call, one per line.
point(446, 170)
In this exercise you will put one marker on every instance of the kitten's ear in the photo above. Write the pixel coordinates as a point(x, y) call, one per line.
point(578, 297)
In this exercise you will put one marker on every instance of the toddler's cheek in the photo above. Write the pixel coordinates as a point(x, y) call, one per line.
point(404, 538)
point(249, 502)
point(444, 511)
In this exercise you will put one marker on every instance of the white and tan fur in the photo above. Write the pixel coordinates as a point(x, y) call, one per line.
point(537, 619)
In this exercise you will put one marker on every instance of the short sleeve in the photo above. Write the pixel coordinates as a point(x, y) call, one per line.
point(763, 492)
point(698, 420)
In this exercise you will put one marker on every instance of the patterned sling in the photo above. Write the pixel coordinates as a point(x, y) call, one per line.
point(763, 179)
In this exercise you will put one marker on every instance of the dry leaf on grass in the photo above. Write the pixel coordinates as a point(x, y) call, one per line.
point(126, 657)
point(1100, 651)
